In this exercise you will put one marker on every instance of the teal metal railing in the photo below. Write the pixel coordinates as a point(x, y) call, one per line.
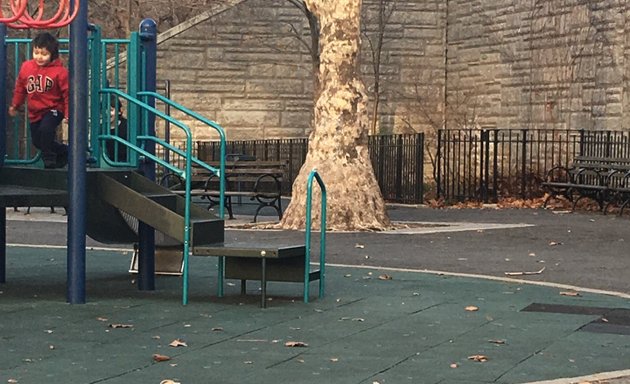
point(322, 241)
point(107, 80)
point(186, 173)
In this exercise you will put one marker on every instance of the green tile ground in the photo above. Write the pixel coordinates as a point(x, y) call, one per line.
point(409, 329)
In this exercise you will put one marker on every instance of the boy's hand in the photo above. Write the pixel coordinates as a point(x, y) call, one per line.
point(13, 111)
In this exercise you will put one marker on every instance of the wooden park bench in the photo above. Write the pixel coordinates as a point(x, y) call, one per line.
point(258, 180)
point(603, 179)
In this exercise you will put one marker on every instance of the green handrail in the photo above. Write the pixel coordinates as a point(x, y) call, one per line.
point(212, 125)
point(221, 173)
point(322, 242)
point(186, 174)
point(145, 153)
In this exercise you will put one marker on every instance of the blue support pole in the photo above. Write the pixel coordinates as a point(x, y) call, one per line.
point(78, 126)
point(146, 234)
point(3, 94)
point(3, 147)
point(3, 245)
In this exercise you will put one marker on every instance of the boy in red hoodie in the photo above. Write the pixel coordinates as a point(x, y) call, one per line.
point(43, 81)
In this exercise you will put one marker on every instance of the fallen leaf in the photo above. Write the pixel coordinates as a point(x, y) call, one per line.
point(471, 308)
point(121, 325)
point(159, 358)
point(248, 362)
point(217, 329)
point(334, 359)
point(295, 344)
point(497, 341)
point(101, 318)
point(605, 320)
point(178, 343)
point(570, 293)
point(525, 273)
point(384, 277)
point(478, 358)
point(12, 381)
point(169, 381)
point(357, 245)
point(554, 243)
point(454, 365)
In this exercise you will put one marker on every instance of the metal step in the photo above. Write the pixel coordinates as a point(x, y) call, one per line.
point(32, 187)
point(263, 262)
point(158, 207)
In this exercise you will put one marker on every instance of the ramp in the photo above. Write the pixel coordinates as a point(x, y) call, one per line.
point(115, 198)
point(157, 206)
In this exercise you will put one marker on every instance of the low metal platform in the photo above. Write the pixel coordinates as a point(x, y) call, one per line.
point(263, 262)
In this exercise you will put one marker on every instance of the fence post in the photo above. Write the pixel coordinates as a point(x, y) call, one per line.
point(419, 141)
point(495, 165)
point(483, 165)
point(438, 167)
point(582, 142)
point(380, 160)
point(523, 162)
point(399, 164)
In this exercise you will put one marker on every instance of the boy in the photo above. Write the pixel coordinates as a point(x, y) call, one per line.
point(43, 81)
point(118, 126)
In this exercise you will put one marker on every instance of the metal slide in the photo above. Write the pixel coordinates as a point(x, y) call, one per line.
point(113, 196)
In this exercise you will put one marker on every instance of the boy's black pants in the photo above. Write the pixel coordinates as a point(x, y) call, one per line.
point(43, 135)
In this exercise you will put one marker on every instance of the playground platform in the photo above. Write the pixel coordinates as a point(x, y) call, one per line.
point(429, 303)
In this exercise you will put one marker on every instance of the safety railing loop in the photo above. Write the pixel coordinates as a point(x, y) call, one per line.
point(21, 19)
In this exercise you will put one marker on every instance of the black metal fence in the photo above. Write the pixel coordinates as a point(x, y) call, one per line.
point(485, 165)
point(397, 161)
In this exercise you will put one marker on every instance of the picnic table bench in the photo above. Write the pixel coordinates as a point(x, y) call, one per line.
point(259, 180)
point(603, 179)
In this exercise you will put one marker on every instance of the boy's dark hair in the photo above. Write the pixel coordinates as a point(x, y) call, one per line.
point(48, 41)
point(114, 102)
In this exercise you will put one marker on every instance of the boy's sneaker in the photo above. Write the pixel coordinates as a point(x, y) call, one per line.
point(50, 160)
point(62, 160)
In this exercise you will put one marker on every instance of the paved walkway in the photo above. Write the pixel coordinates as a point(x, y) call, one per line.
point(384, 319)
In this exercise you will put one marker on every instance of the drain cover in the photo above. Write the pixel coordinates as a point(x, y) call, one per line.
point(611, 320)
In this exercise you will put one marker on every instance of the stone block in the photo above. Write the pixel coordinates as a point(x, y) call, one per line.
point(244, 118)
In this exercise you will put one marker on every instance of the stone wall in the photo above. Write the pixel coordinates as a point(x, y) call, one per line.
point(457, 63)
point(537, 64)
point(246, 68)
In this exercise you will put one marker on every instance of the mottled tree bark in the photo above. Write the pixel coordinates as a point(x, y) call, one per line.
point(338, 143)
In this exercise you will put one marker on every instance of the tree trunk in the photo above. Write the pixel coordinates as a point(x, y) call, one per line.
point(338, 143)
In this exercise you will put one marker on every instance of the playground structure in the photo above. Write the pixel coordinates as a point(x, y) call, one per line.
point(100, 199)
point(20, 18)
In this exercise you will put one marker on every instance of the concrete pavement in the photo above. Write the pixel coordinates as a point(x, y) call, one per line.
point(417, 306)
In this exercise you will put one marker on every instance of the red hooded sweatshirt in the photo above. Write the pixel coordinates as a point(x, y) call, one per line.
point(45, 87)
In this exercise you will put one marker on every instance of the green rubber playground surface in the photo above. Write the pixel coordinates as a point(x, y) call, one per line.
point(373, 326)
